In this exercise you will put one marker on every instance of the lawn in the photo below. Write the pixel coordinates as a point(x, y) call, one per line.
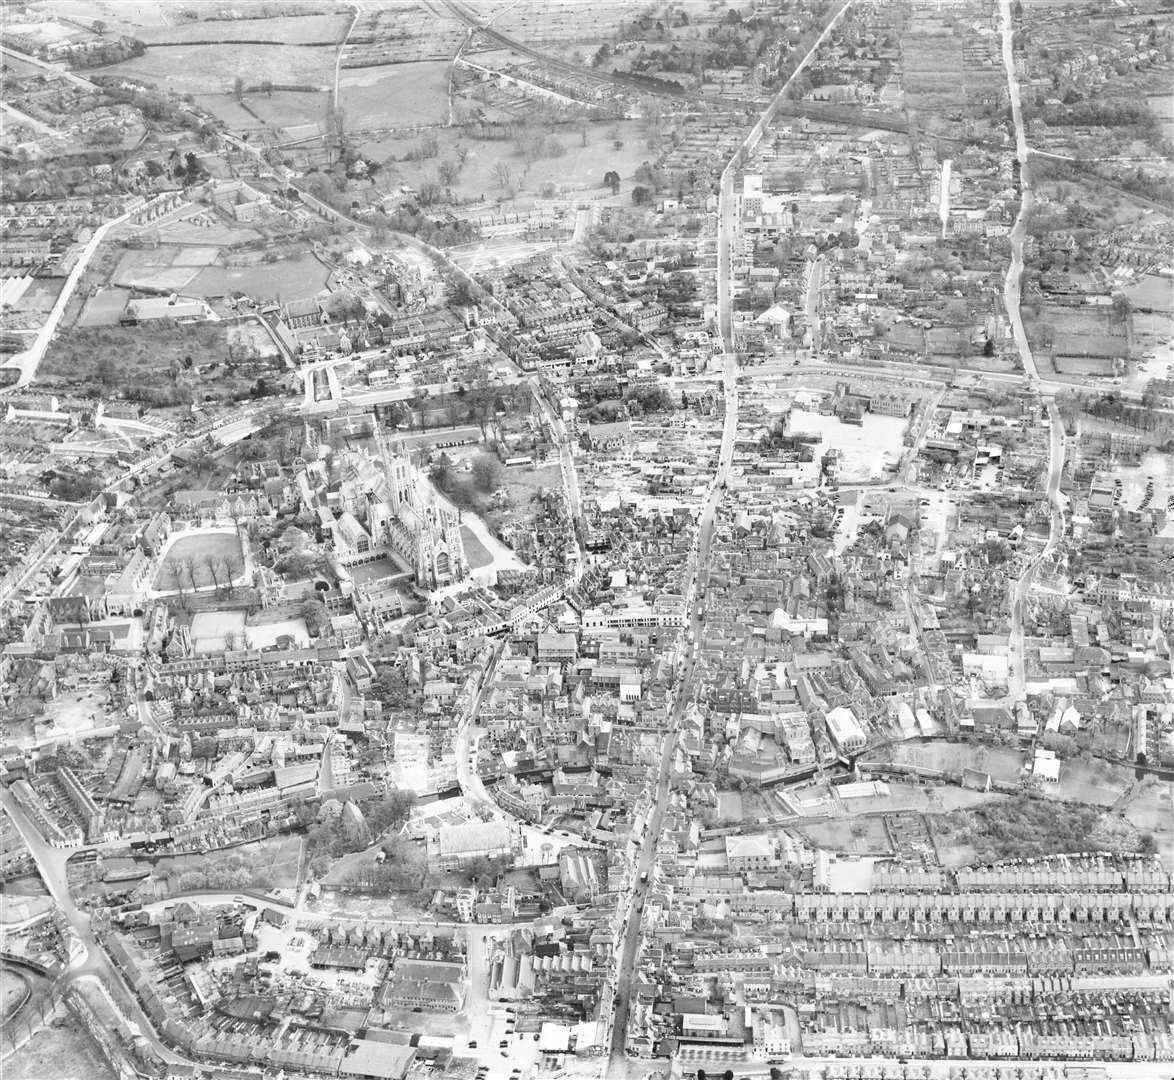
point(395, 96)
point(200, 548)
point(475, 552)
point(287, 279)
point(203, 69)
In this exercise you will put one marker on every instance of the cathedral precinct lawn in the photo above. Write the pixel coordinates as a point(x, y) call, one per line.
point(476, 553)
point(202, 549)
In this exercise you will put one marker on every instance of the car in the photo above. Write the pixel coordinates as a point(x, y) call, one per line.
point(239, 900)
point(472, 1044)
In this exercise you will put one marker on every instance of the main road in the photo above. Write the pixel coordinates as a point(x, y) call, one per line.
point(29, 360)
point(1012, 285)
point(1012, 295)
point(698, 573)
point(90, 960)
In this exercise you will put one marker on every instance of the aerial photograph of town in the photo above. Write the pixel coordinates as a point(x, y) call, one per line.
point(589, 539)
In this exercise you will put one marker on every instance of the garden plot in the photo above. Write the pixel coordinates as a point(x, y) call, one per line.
point(559, 23)
point(402, 33)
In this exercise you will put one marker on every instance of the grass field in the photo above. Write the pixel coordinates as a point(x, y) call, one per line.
point(61, 1050)
point(104, 308)
point(203, 69)
point(291, 108)
point(289, 279)
point(581, 168)
point(394, 96)
point(292, 30)
point(199, 547)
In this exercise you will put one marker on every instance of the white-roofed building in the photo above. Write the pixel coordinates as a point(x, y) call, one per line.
point(456, 846)
point(845, 730)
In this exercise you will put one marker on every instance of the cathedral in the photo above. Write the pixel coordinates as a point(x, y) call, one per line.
point(384, 504)
point(421, 528)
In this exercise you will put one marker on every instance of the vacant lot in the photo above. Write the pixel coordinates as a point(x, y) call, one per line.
point(121, 356)
point(395, 96)
point(287, 279)
point(187, 560)
point(202, 69)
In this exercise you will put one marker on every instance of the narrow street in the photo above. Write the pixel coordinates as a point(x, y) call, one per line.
point(1018, 677)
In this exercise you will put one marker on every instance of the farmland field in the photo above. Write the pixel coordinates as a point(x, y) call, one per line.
point(395, 96)
point(203, 69)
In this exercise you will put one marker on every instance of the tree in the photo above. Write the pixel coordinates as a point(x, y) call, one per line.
point(611, 179)
point(487, 474)
point(988, 348)
point(503, 174)
point(267, 87)
point(98, 26)
point(441, 473)
point(447, 170)
point(641, 195)
point(429, 191)
point(238, 89)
